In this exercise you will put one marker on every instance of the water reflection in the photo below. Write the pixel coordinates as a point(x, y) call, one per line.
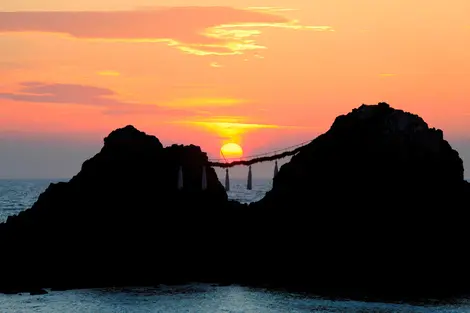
point(206, 298)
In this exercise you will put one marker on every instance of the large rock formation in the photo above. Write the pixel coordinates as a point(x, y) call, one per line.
point(109, 222)
point(375, 206)
point(375, 157)
point(377, 203)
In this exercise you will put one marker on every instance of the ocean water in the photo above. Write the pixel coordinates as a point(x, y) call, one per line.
point(239, 192)
point(17, 195)
point(204, 298)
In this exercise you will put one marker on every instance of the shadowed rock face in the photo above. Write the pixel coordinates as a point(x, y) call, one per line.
point(376, 206)
point(380, 204)
point(371, 159)
point(122, 208)
point(132, 175)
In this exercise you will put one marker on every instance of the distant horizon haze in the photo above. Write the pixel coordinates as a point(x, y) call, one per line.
point(46, 158)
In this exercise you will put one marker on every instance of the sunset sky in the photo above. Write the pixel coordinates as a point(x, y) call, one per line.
point(264, 74)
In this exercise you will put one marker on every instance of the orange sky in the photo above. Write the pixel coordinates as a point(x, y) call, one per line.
point(264, 74)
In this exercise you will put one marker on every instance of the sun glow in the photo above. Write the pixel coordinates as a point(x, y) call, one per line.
point(231, 150)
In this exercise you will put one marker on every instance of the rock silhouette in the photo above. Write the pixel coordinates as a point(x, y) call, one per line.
point(121, 213)
point(376, 206)
point(379, 205)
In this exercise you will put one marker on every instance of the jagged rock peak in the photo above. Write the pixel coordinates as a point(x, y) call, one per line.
point(129, 136)
point(381, 117)
point(372, 158)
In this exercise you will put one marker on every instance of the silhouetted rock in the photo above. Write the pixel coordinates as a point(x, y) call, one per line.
point(376, 206)
point(375, 157)
point(113, 218)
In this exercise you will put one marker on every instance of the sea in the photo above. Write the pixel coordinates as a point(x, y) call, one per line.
point(18, 195)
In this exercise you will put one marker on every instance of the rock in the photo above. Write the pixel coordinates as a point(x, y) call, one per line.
point(373, 157)
point(374, 207)
point(120, 211)
point(377, 204)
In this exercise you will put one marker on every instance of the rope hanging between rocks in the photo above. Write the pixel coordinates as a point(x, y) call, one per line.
point(269, 156)
point(264, 157)
point(278, 154)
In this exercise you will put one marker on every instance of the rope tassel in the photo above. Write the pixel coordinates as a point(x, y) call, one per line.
point(249, 184)
point(204, 178)
point(227, 180)
point(180, 178)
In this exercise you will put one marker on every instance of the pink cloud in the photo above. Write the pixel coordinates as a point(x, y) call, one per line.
point(196, 30)
point(179, 23)
point(38, 92)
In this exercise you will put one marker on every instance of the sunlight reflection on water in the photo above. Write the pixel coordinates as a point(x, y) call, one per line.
point(203, 298)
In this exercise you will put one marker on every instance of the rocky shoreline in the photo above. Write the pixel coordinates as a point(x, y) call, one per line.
point(376, 206)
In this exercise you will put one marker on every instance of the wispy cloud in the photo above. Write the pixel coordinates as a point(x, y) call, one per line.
point(109, 73)
point(233, 122)
point(194, 30)
point(231, 128)
point(234, 125)
point(236, 122)
point(271, 9)
point(228, 128)
point(387, 75)
point(202, 102)
point(10, 66)
point(216, 65)
point(108, 100)
point(62, 93)
point(39, 92)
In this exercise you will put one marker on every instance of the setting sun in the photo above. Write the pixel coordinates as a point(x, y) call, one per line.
point(231, 150)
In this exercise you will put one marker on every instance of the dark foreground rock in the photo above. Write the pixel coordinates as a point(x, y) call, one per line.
point(120, 220)
point(376, 206)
